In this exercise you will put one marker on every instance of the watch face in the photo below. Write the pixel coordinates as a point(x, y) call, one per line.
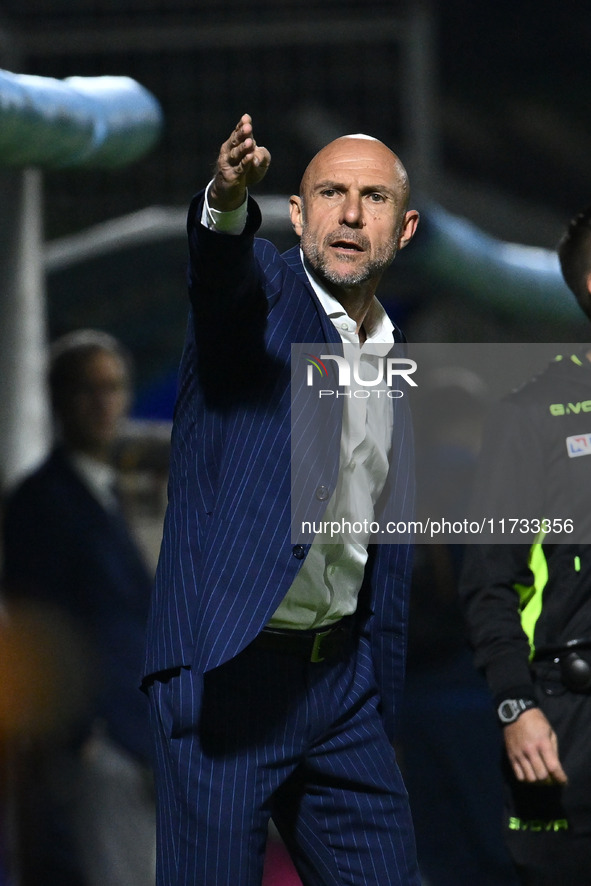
point(509, 710)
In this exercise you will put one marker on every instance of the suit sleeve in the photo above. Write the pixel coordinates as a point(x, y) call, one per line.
point(231, 291)
point(223, 273)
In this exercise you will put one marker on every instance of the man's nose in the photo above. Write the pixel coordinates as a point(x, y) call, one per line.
point(352, 211)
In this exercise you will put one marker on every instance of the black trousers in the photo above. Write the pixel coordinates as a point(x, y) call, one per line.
point(548, 829)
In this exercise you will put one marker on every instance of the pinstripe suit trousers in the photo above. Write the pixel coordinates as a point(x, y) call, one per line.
point(270, 735)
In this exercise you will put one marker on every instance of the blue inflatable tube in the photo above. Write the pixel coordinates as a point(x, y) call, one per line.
point(99, 122)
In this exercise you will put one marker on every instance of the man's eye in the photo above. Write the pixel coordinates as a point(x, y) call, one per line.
point(377, 198)
point(328, 192)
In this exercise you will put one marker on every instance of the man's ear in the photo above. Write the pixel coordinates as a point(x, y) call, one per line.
point(296, 214)
point(408, 227)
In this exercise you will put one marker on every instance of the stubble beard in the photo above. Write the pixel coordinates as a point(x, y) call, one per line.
point(318, 256)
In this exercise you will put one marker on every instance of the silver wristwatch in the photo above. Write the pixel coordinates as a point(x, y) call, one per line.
point(511, 708)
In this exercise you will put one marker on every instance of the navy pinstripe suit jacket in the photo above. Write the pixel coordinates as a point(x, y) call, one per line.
point(226, 559)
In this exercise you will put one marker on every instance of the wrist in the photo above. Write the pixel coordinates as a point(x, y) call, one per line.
point(229, 222)
point(226, 199)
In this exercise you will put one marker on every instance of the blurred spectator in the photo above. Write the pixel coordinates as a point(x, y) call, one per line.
point(84, 792)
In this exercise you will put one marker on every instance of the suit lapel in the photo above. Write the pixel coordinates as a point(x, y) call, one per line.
point(293, 259)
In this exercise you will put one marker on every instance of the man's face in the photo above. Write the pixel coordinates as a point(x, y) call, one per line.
point(95, 403)
point(352, 215)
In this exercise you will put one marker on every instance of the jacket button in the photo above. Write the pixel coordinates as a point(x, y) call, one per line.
point(299, 552)
point(322, 493)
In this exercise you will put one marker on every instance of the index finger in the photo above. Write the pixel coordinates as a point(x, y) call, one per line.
point(556, 773)
point(242, 130)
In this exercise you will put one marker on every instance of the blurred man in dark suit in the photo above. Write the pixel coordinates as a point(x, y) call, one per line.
point(68, 548)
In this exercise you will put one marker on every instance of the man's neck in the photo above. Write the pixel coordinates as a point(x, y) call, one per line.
point(356, 303)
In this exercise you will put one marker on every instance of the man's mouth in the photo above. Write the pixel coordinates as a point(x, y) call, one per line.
point(347, 246)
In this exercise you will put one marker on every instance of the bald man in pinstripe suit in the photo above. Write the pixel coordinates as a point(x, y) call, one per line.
point(274, 669)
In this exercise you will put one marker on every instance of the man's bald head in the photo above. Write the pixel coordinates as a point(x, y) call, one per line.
point(360, 145)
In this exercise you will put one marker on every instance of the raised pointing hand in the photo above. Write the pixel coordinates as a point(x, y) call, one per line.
point(241, 163)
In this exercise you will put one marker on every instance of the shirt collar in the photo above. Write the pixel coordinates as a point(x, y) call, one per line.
point(378, 326)
point(98, 476)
